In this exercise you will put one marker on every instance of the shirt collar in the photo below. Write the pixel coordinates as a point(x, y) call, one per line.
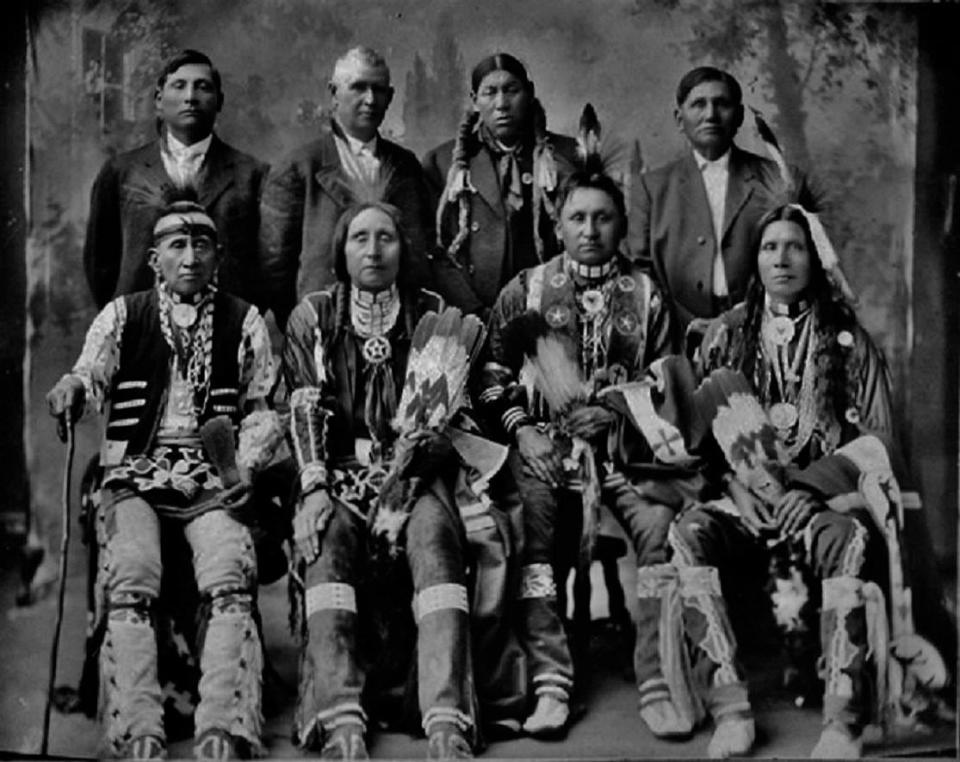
point(199, 148)
point(357, 146)
point(702, 161)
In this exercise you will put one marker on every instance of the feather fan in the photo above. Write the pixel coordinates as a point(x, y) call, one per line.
point(442, 351)
point(772, 145)
point(745, 435)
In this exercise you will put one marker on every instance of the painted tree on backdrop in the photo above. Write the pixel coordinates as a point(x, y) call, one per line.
point(434, 102)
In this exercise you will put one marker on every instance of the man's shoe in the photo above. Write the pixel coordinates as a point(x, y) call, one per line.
point(147, 747)
point(733, 737)
point(549, 719)
point(345, 742)
point(662, 719)
point(837, 742)
point(447, 741)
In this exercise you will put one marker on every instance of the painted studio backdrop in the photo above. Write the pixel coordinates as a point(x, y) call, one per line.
point(836, 82)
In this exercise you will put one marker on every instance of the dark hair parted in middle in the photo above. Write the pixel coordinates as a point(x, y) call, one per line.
point(343, 227)
point(500, 62)
point(703, 74)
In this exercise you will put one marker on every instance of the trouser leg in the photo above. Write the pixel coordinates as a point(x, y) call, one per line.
point(647, 523)
point(331, 678)
point(838, 545)
point(435, 551)
point(542, 631)
point(231, 654)
point(702, 540)
point(128, 660)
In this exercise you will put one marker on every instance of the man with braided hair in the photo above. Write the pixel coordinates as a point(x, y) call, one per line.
point(171, 363)
point(348, 353)
point(494, 187)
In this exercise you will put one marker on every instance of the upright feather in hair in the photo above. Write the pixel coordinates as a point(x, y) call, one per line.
point(773, 148)
point(588, 141)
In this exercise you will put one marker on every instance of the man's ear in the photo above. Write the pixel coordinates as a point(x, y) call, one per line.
point(390, 92)
point(678, 117)
point(152, 255)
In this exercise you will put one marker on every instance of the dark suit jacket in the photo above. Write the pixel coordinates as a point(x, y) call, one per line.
point(303, 198)
point(671, 230)
point(127, 197)
point(474, 287)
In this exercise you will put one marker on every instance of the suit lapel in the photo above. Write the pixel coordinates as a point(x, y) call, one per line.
point(483, 175)
point(215, 175)
point(330, 176)
point(739, 187)
point(694, 194)
point(152, 166)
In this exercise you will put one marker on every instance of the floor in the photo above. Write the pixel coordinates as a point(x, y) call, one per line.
point(609, 727)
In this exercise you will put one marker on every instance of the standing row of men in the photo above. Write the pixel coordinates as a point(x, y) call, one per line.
point(690, 220)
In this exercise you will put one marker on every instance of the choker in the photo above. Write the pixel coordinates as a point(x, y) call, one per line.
point(591, 272)
point(374, 313)
point(184, 311)
point(794, 310)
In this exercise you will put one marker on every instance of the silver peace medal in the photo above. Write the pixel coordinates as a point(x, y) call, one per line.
point(183, 315)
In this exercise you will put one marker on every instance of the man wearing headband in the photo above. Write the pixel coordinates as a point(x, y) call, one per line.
point(165, 363)
point(691, 220)
point(129, 191)
point(495, 186)
point(306, 193)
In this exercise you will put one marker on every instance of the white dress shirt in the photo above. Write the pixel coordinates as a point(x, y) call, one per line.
point(358, 159)
point(183, 162)
point(716, 175)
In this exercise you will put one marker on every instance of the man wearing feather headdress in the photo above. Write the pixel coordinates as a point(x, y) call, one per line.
point(394, 496)
point(307, 191)
point(183, 368)
point(494, 187)
point(691, 220)
point(799, 400)
point(129, 190)
point(586, 319)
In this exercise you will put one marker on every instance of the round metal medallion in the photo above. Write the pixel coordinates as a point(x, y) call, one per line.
point(376, 350)
point(559, 280)
point(779, 330)
point(183, 315)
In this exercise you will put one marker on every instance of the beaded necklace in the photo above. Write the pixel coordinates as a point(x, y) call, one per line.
point(593, 290)
point(188, 330)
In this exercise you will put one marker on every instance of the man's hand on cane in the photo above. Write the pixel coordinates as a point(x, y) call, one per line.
point(65, 402)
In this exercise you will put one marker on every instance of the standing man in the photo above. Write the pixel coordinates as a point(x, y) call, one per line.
point(496, 186)
point(129, 191)
point(692, 220)
point(306, 194)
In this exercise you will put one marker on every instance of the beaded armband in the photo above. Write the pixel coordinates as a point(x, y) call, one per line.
point(308, 431)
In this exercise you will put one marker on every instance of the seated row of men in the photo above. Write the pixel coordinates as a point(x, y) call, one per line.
point(425, 476)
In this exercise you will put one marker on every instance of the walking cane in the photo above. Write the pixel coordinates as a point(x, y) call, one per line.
point(65, 429)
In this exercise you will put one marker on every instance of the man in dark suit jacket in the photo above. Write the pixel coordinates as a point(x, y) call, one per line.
point(129, 191)
point(305, 194)
point(714, 193)
point(512, 167)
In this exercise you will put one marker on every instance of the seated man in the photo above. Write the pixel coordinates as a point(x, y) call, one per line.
point(799, 403)
point(350, 351)
point(175, 362)
point(611, 323)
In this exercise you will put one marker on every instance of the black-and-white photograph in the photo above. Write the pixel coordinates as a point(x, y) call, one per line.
point(509, 379)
